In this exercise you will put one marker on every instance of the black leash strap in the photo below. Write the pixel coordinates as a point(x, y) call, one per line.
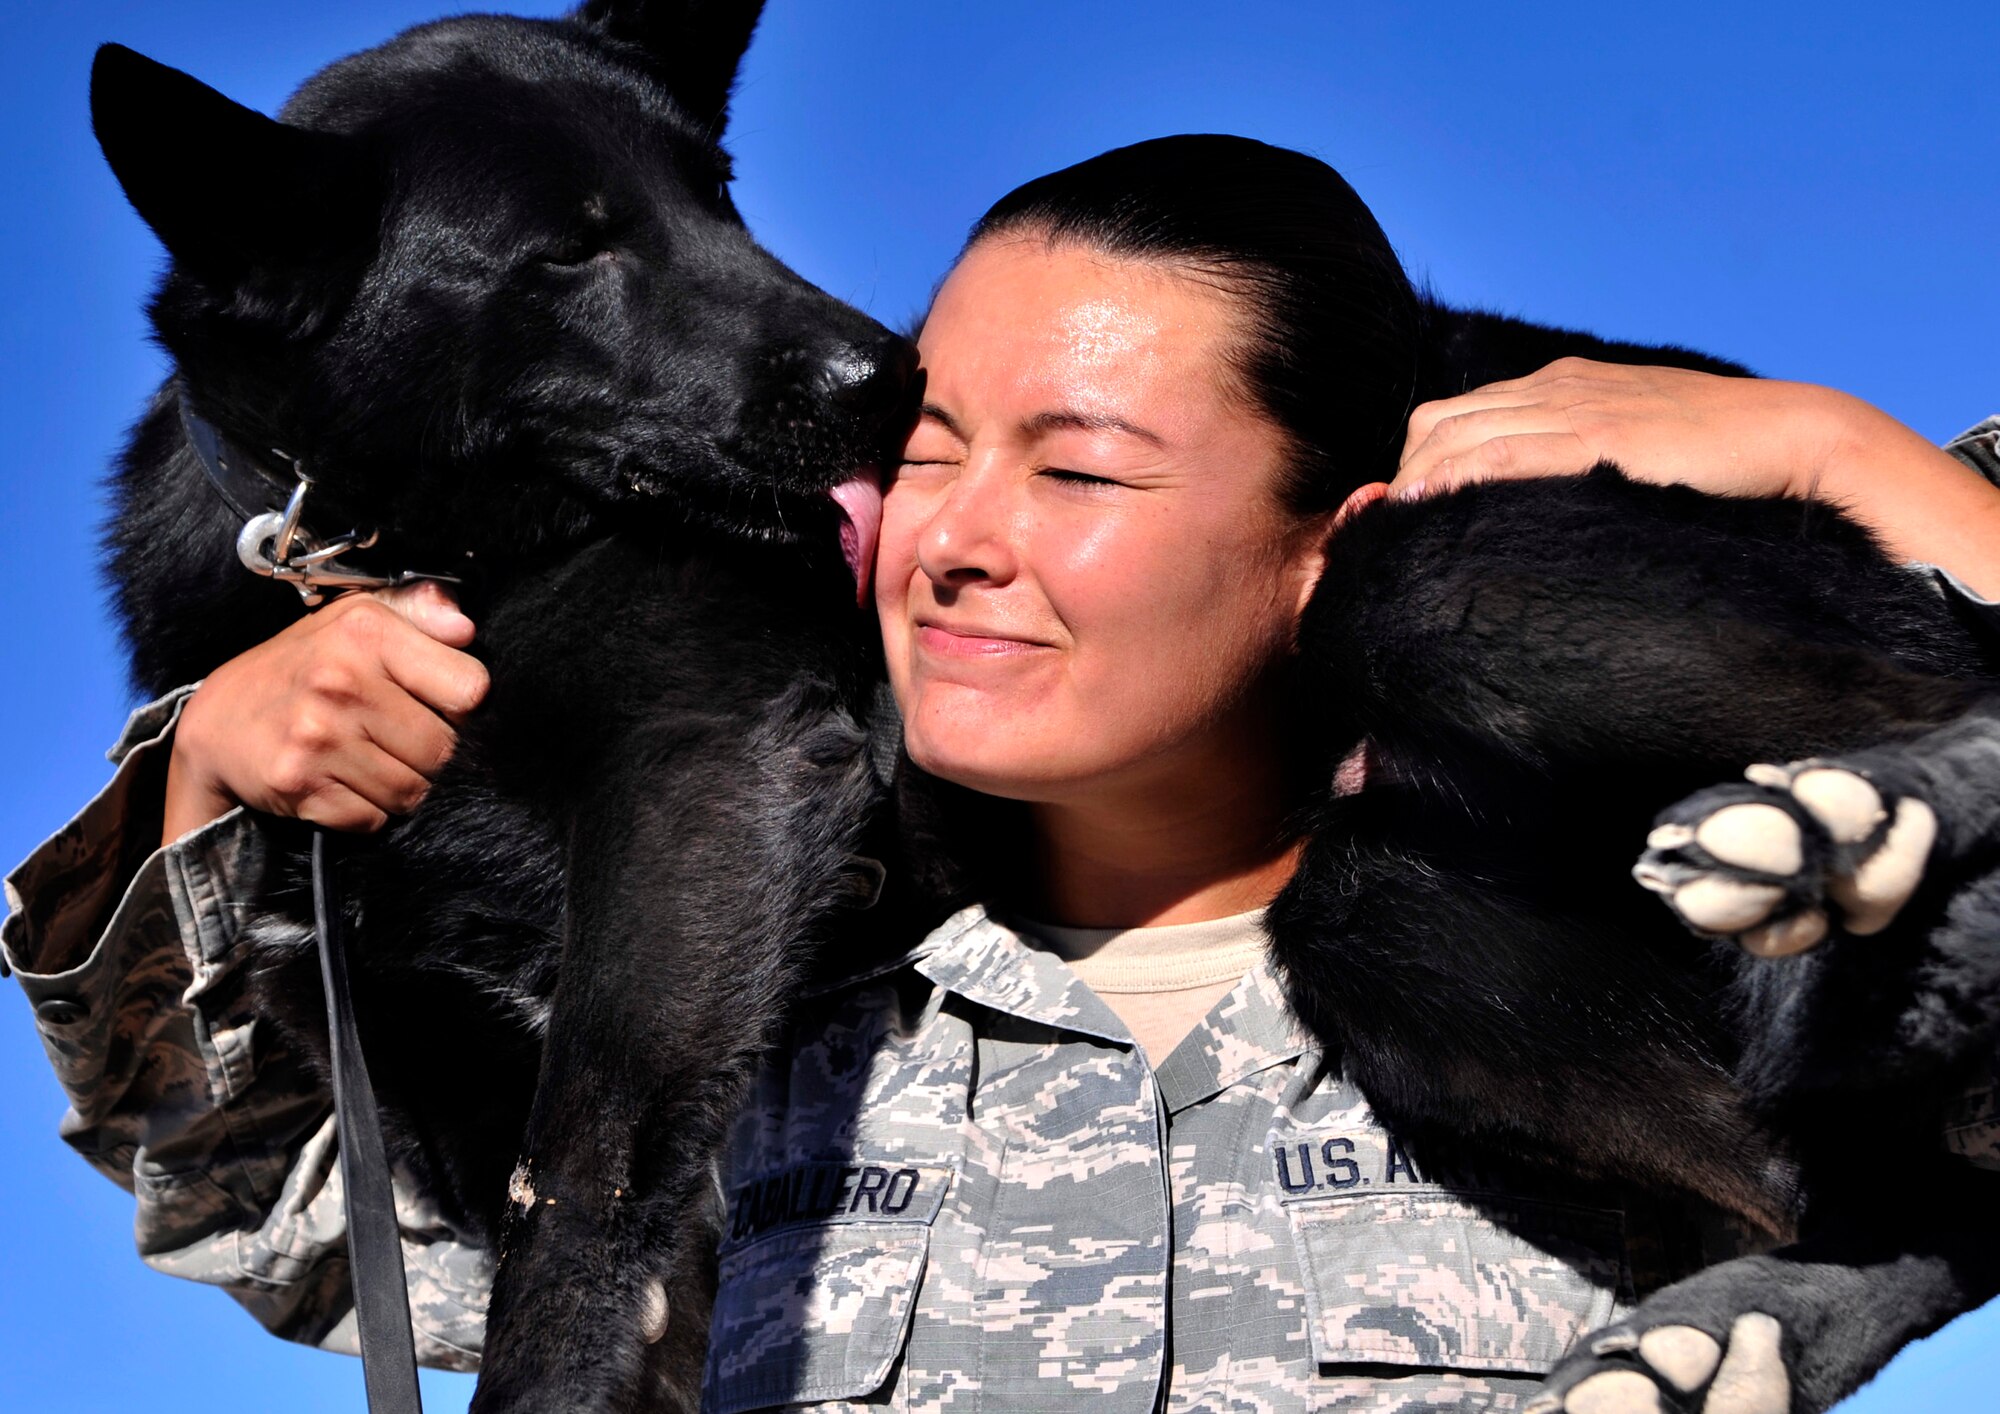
point(374, 1247)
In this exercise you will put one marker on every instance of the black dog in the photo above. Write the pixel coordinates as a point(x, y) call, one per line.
point(485, 284)
point(1537, 667)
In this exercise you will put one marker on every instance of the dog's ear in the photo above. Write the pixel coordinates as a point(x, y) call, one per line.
point(697, 44)
point(226, 189)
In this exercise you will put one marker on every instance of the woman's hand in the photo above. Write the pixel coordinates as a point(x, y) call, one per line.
point(1727, 436)
point(1741, 436)
point(342, 719)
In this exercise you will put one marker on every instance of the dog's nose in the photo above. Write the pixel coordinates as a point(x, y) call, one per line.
point(869, 379)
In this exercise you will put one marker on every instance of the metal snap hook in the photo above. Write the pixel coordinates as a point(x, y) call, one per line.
point(278, 546)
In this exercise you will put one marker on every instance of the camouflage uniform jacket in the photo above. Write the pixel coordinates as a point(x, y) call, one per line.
point(960, 1184)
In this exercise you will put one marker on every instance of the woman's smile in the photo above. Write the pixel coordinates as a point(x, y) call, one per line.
point(966, 641)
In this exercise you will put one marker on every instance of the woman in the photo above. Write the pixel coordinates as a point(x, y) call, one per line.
point(1068, 1146)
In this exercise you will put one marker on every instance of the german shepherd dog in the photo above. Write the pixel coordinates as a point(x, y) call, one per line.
point(484, 283)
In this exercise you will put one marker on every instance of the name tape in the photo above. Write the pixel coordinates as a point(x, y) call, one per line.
point(837, 1193)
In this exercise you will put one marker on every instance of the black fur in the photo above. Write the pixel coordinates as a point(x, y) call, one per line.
point(486, 282)
point(1465, 349)
point(1536, 667)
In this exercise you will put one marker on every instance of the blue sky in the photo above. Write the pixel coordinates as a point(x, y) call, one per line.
point(1814, 190)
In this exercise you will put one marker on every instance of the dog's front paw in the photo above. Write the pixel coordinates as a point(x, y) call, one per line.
point(1776, 862)
point(1674, 1369)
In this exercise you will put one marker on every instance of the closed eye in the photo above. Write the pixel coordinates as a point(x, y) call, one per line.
point(1077, 478)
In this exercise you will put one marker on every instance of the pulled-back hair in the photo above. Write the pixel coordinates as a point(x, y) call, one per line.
point(1335, 326)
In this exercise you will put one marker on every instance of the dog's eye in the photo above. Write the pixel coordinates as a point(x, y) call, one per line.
point(724, 173)
point(573, 251)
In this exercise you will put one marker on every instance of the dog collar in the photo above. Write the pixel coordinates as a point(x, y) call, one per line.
point(274, 541)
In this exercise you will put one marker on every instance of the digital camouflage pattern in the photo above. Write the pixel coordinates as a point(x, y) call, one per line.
point(977, 1115)
point(179, 1093)
point(1979, 448)
point(961, 1187)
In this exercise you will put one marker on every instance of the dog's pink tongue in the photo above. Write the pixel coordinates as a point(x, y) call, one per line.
point(860, 499)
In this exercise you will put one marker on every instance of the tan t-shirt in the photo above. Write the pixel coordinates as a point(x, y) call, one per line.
point(1161, 980)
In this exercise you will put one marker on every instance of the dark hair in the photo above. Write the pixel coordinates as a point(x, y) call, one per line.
point(1337, 327)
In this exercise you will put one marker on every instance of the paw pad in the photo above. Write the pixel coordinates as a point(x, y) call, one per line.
point(1678, 1367)
point(1753, 836)
point(1787, 937)
point(1845, 803)
point(1882, 883)
point(1614, 1392)
point(1717, 905)
point(1684, 1356)
point(1775, 863)
point(1752, 1379)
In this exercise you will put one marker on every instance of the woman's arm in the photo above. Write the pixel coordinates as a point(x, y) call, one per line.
point(130, 956)
point(1742, 436)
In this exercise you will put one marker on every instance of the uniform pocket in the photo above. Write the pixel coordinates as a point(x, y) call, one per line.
point(1429, 1279)
point(812, 1313)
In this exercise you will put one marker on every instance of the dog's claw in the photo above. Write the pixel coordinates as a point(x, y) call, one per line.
point(653, 1311)
point(1670, 836)
point(1616, 1339)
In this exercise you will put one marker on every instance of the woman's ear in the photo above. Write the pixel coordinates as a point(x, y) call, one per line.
point(1359, 499)
point(1320, 531)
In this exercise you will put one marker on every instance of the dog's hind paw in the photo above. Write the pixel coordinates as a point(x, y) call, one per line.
point(1674, 1369)
point(1777, 862)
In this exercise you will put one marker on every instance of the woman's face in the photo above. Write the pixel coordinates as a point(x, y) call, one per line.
point(1085, 574)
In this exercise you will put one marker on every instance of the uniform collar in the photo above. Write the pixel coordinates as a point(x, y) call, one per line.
point(1249, 1030)
point(978, 957)
point(983, 960)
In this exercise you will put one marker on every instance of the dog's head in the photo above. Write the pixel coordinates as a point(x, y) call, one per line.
point(488, 276)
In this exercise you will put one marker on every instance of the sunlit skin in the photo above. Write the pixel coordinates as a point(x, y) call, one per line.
point(1086, 580)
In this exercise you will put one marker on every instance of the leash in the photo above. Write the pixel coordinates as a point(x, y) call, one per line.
point(374, 1243)
point(275, 543)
